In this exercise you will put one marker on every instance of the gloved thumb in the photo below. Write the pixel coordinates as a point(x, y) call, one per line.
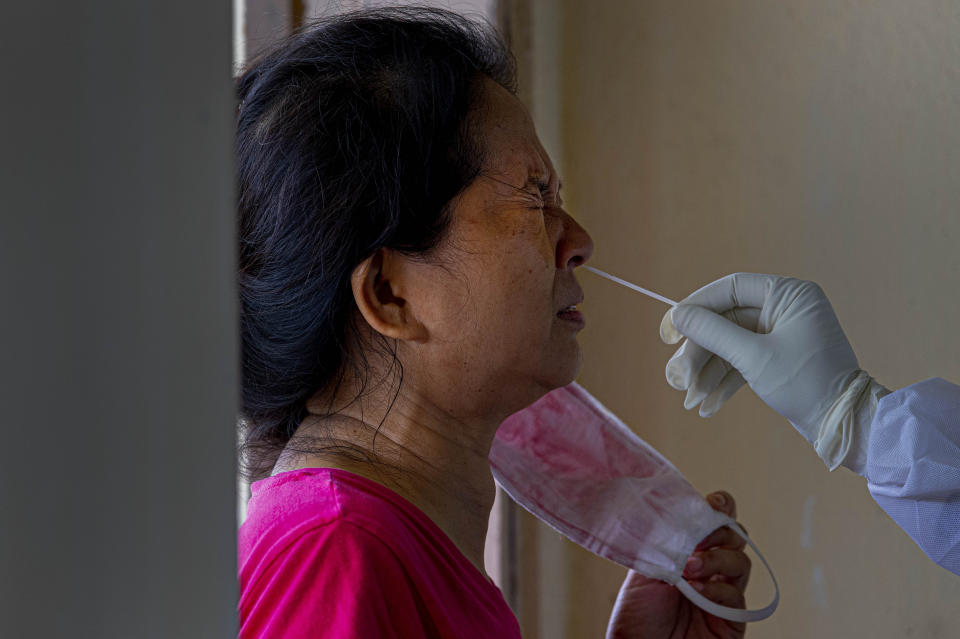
point(713, 332)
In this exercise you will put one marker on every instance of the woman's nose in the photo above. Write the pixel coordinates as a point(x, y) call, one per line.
point(575, 246)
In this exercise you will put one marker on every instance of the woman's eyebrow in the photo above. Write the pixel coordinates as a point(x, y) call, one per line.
point(536, 180)
point(542, 182)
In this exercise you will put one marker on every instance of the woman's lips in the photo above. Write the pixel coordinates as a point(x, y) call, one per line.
point(573, 316)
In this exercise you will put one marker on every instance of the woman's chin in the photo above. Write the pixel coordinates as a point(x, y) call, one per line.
point(564, 370)
point(572, 366)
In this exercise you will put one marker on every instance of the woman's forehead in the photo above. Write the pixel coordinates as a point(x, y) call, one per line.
point(510, 136)
point(518, 161)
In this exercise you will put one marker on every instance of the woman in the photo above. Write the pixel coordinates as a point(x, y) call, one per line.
point(406, 282)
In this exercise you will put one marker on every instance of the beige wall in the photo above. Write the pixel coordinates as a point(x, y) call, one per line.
point(815, 138)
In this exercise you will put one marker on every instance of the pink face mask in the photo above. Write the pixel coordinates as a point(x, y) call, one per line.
point(577, 467)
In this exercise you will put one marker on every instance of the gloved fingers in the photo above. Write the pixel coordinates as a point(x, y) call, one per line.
point(709, 378)
point(668, 332)
point(738, 289)
point(717, 333)
point(689, 363)
point(731, 383)
point(743, 290)
point(747, 317)
point(685, 365)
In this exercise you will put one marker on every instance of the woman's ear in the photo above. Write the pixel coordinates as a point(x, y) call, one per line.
point(378, 289)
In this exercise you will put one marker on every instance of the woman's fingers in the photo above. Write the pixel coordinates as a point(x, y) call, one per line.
point(720, 554)
point(723, 501)
point(722, 538)
point(732, 565)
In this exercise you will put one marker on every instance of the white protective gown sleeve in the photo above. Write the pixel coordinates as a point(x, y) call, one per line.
point(913, 465)
point(781, 337)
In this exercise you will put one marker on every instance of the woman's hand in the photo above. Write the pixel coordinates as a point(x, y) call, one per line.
point(652, 609)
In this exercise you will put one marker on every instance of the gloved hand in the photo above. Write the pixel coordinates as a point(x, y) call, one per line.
point(780, 336)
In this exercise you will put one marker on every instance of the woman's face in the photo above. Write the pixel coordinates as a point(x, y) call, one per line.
point(495, 296)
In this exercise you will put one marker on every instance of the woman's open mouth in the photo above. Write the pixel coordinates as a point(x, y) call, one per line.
point(572, 314)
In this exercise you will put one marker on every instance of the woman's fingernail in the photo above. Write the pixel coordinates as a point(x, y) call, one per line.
point(694, 564)
point(718, 499)
point(697, 585)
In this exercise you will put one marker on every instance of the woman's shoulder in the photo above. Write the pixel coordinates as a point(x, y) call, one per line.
point(313, 510)
point(298, 503)
point(293, 502)
point(313, 533)
point(306, 562)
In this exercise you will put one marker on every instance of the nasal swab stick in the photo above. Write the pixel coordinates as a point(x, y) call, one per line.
point(634, 287)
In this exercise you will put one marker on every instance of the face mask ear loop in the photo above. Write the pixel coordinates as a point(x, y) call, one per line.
point(725, 612)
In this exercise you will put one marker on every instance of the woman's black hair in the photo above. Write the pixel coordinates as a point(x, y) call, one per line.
point(352, 135)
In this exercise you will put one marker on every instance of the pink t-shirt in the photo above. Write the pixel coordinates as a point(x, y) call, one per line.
point(328, 553)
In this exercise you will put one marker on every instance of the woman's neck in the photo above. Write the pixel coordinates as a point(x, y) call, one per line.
point(435, 461)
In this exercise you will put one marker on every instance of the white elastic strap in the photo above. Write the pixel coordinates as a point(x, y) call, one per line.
point(726, 612)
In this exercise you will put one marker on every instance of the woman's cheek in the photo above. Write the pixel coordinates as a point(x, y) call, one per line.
point(534, 245)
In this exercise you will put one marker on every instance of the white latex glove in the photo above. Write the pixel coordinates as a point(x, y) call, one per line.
point(780, 336)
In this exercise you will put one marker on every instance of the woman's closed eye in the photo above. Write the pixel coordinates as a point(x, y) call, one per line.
point(537, 194)
point(538, 201)
point(547, 199)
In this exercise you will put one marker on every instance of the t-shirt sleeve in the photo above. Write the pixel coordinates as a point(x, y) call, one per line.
point(334, 581)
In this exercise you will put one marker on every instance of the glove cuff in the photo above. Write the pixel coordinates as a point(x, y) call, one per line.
point(845, 428)
point(856, 458)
